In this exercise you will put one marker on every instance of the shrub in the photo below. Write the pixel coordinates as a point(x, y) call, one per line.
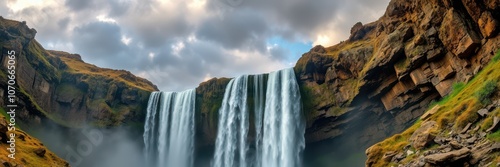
point(484, 93)
point(497, 56)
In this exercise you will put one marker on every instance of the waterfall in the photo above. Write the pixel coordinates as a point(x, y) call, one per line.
point(279, 125)
point(231, 145)
point(258, 112)
point(169, 139)
point(284, 127)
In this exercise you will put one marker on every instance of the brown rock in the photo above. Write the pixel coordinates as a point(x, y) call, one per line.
point(423, 136)
point(488, 25)
point(479, 152)
point(466, 128)
point(457, 37)
point(444, 87)
point(483, 112)
point(447, 158)
point(431, 112)
point(494, 126)
point(455, 145)
point(388, 156)
point(40, 152)
point(446, 73)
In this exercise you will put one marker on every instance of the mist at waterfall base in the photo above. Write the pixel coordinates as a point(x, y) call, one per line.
point(90, 146)
point(270, 112)
point(248, 100)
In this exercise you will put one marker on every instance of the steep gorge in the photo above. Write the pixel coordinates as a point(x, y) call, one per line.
point(355, 93)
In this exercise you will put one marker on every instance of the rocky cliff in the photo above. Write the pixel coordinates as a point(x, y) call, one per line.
point(383, 78)
point(63, 88)
point(459, 130)
point(360, 91)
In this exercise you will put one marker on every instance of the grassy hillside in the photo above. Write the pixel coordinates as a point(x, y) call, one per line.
point(452, 114)
point(29, 150)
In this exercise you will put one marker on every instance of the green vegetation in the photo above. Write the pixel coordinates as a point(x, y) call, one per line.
point(25, 152)
point(37, 57)
point(70, 90)
point(494, 136)
point(456, 110)
point(94, 73)
point(403, 64)
point(485, 92)
point(497, 56)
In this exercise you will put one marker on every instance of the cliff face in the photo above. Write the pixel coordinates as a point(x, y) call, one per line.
point(380, 80)
point(68, 91)
point(358, 92)
point(388, 72)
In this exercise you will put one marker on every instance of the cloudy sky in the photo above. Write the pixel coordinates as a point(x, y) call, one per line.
point(177, 44)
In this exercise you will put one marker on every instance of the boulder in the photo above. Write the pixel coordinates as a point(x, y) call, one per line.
point(483, 112)
point(40, 152)
point(423, 136)
point(449, 157)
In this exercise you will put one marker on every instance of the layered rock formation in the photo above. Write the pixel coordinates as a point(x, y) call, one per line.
point(63, 88)
point(389, 71)
point(357, 92)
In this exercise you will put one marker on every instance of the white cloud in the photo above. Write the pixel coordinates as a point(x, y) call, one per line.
point(179, 43)
point(105, 19)
point(126, 40)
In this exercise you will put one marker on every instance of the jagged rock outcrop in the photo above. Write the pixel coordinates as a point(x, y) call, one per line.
point(376, 84)
point(386, 74)
point(357, 92)
point(68, 91)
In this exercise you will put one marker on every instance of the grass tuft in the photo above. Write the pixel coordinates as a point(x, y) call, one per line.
point(484, 93)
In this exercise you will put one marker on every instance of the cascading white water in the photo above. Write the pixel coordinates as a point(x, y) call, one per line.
point(283, 138)
point(258, 81)
point(150, 128)
point(169, 139)
point(231, 145)
point(279, 125)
